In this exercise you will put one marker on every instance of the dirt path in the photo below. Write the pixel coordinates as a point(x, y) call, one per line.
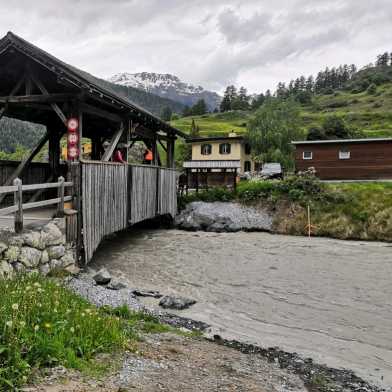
point(326, 299)
point(169, 362)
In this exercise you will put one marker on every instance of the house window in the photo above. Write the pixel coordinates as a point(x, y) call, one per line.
point(248, 150)
point(307, 155)
point(343, 154)
point(206, 149)
point(224, 148)
point(247, 166)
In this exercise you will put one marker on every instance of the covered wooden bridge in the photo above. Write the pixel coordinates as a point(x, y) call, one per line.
point(108, 196)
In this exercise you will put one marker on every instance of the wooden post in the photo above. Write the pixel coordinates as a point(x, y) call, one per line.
point(187, 182)
point(170, 161)
point(60, 207)
point(54, 152)
point(18, 200)
point(235, 180)
point(154, 149)
point(197, 180)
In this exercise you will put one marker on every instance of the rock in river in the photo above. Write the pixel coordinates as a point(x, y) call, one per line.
point(179, 303)
point(102, 276)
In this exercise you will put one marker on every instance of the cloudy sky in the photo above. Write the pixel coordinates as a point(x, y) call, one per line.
point(255, 43)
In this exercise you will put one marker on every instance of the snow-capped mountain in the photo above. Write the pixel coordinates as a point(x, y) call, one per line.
point(167, 86)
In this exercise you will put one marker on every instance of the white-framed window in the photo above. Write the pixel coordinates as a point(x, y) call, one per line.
point(225, 148)
point(344, 154)
point(307, 155)
point(206, 149)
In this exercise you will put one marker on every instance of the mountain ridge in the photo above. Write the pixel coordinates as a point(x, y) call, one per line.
point(167, 86)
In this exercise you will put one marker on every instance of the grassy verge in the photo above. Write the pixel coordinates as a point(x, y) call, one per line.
point(43, 324)
point(341, 210)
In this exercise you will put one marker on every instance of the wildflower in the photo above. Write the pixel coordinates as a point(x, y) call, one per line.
point(55, 310)
point(36, 284)
point(8, 324)
point(47, 325)
point(36, 328)
point(15, 306)
point(68, 311)
point(72, 329)
point(82, 314)
point(22, 324)
point(28, 288)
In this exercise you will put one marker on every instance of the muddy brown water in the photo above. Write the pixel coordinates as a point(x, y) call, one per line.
point(327, 299)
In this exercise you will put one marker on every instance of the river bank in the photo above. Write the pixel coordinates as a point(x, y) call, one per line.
point(212, 363)
point(322, 298)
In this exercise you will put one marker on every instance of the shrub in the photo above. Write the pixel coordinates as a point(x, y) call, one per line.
point(44, 324)
point(207, 195)
point(372, 89)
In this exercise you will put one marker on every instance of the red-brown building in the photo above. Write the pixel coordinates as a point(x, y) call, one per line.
point(348, 159)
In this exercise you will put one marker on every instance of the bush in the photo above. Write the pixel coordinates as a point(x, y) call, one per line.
point(372, 89)
point(207, 195)
point(44, 324)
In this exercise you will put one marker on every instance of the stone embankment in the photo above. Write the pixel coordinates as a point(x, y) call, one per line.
point(41, 249)
point(223, 217)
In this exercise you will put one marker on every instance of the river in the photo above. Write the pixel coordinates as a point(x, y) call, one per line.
point(327, 299)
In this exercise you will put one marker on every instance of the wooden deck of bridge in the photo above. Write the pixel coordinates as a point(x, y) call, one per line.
point(37, 87)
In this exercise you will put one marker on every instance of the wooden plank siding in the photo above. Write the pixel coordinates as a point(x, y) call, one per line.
point(104, 202)
point(368, 160)
point(116, 196)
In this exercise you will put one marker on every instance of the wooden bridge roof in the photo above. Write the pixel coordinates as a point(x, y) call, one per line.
point(59, 77)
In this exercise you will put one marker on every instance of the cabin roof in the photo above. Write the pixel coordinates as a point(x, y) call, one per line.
point(346, 141)
point(83, 80)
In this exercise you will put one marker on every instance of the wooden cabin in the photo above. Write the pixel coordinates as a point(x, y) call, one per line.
point(217, 161)
point(39, 88)
point(346, 159)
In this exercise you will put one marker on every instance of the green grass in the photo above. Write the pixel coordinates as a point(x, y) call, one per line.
point(371, 114)
point(341, 210)
point(215, 124)
point(43, 324)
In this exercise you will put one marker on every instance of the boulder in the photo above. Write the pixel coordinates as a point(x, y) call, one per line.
point(44, 269)
point(102, 276)
point(34, 240)
point(12, 254)
point(56, 252)
point(179, 303)
point(55, 265)
point(72, 269)
point(147, 293)
point(44, 257)
point(19, 268)
point(6, 270)
point(51, 235)
point(116, 284)
point(30, 257)
point(67, 259)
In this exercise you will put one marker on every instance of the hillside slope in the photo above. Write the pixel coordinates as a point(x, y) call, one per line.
point(370, 113)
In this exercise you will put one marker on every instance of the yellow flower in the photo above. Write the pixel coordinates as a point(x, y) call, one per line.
point(15, 306)
point(47, 325)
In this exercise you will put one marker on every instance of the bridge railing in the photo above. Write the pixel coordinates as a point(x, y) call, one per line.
point(116, 196)
point(19, 207)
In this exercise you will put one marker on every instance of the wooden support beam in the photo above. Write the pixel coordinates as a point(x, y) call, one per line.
point(113, 144)
point(162, 145)
point(37, 98)
point(13, 92)
point(85, 108)
point(54, 150)
point(44, 91)
point(170, 154)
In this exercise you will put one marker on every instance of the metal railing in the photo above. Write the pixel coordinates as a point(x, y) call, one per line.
point(18, 188)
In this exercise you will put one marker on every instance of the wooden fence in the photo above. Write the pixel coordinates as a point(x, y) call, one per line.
point(115, 196)
point(18, 207)
point(104, 202)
